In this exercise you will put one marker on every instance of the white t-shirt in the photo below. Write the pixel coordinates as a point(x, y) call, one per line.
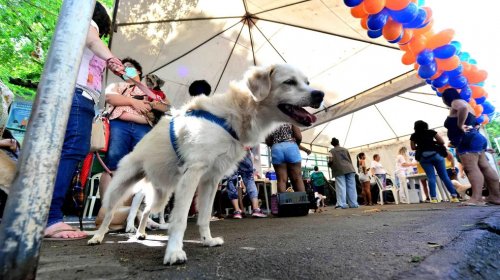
point(400, 169)
point(378, 168)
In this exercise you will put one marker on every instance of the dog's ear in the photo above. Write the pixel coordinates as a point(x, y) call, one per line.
point(259, 81)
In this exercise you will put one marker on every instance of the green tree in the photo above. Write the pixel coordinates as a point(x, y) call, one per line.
point(26, 29)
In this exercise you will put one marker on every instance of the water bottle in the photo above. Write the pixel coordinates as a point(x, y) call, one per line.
point(271, 175)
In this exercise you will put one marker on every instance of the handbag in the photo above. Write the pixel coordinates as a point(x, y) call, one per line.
point(441, 150)
point(99, 139)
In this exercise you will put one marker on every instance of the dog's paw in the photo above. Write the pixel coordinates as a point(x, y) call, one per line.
point(175, 257)
point(95, 240)
point(131, 229)
point(140, 236)
point(212, 242)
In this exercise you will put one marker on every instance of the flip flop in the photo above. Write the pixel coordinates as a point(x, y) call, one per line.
point(51, 236)
point(479, 204)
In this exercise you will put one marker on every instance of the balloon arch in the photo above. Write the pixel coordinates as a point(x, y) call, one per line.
point(438, 59)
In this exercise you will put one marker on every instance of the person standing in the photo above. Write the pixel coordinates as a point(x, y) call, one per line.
point(364, 179)
point(345, 176)
point(318, 181)
point(402, 164)
point(96, 56)
point(428, 145)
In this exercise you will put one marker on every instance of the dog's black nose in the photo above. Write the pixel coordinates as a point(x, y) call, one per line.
point(317, 96)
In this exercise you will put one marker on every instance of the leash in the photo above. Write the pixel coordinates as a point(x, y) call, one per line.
point(101, 162)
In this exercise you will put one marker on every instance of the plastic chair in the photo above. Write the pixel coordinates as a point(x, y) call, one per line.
point(382, 190)
point(93, 195)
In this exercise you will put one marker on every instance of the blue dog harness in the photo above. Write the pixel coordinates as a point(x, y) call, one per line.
point(203, 115)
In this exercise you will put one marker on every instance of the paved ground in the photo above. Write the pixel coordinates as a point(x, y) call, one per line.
point(418, 241)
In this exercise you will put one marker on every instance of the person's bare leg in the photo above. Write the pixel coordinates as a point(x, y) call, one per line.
point(236, 205)
point(490, 180)
point(368, 193)
point(425, 188)
point(470, 162)
point(282, 176)
point(295, 172)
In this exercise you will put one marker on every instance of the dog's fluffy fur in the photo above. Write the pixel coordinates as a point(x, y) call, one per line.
point(255, 106)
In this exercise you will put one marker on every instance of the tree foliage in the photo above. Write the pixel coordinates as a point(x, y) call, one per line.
point(26, 29)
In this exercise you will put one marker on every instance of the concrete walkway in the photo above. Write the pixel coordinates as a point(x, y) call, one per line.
point(417, 241)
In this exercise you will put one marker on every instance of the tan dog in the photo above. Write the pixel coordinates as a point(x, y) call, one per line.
point(195, 152)
point(7, 171)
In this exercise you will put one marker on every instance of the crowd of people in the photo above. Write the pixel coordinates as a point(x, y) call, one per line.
point(132, 115)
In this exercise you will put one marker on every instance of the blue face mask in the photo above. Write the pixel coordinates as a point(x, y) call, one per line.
point(130, 72)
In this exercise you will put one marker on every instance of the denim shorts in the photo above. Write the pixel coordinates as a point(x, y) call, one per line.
point(285, 152)
point(123, 137)
point(472, 142)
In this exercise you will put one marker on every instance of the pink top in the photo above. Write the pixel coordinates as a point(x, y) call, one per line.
point(91, 68)
point(127, 90)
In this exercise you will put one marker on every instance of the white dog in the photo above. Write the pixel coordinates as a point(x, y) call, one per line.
point(203, 142)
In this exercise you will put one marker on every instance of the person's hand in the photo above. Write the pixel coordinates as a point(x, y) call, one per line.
point(116, 66)
point(9, 143)
point(308, 152)
point(466, 128)
point(141, 106)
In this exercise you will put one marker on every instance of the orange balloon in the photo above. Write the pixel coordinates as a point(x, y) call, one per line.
point(438, 73)
point(442, 89)
point(478, 110)
point(448, 64)
point(396, 5)
point(477, 76)
point(440, 39)
point(466, 66)
point(358, 12)
point(424, 29)
point(417, 44)
point(408, 58)
point(404, 47)
point(392, 30)
point(477, 91)
point(364, 23)
point(416, 66)
point(472, 103)
point(407, 35)
point(373, 6)
point(486, 120)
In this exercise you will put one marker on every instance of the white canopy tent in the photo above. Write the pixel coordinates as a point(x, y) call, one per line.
point(370, 95)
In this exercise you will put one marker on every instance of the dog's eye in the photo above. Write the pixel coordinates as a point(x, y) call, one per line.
point(290, 82)
point(307, 82)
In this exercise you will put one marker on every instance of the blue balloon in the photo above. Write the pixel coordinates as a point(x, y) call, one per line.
point(491, 116)
point(480, 100)
point(472, 61)
point(352, 3)
point(397, 39)
point(405, 15)
point(377, 21)
point(439, 94)
point(428, 81)
point(457, 45)
point(458, 81)
point(466, 93)
point(488, 108)
point(425, 57)
point(445, 51)
point(455, 72)
point(440, 81)
point(465, 56)
point(374, 33)
point(427, 71)
point(418, 21)
point(433, 88)
point(480, 119)
point(421, 3)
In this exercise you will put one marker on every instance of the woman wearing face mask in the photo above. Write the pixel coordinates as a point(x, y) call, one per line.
point(128, 125)
point(96, 57)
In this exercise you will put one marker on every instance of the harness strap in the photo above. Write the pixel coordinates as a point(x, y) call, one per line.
point(203, 115)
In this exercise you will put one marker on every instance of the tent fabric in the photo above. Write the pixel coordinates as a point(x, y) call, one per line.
point(218, 40)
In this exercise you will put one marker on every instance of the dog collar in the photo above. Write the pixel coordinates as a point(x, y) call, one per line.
point(203, 115)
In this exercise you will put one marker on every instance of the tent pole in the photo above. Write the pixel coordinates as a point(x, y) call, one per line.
point(229, 57)
point(269, 42)
point(26, 211)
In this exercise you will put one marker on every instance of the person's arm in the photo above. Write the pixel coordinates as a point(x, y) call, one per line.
point(439, 139)
point(461, 107)
point(413, 145)
point(308, 152)
point(115, 98)
point(9, 144)
point(97, 46)
point(297, 134)
point(269, 140)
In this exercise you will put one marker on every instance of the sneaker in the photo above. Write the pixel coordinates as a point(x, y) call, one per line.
point(257, 213)
point(434, 200)
point(237, 215)
point(454, 200)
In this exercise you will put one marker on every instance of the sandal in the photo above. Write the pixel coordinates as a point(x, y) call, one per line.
point(476, 204)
